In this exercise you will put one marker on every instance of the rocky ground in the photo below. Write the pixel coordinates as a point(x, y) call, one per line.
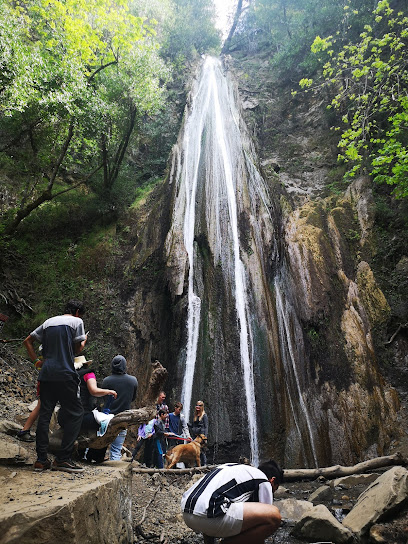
point(156, 498)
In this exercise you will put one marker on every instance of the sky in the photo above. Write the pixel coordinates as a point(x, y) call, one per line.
point(224, 9)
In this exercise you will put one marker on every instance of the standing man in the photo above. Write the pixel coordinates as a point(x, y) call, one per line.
point(177, 423)
point(234, 502)
point(126, 388)
point(62, 337)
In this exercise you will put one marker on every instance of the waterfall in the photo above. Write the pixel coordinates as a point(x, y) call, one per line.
point(209, 171)
point(238, 349)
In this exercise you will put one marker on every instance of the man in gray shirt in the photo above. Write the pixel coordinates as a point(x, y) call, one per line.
point(62, 337)
point(126, 388)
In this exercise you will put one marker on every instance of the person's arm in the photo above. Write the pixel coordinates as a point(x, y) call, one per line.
point(205, 425)
point(79, 346)
point(158, 430)
point(29, 345)
point(265, 493)
point(96, 391)
point(134, 392)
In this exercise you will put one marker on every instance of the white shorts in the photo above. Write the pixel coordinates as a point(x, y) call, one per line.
point(230, 524)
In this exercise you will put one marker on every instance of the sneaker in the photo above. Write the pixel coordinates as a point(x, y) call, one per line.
point(39, 466)
point(25, 436)
point(67, 466)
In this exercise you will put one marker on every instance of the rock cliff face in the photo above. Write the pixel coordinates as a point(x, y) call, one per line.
point(314, 311)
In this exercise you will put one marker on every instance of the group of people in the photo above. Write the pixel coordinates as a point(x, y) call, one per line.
point(233, 501)
point(168, 429)
point(75, 389)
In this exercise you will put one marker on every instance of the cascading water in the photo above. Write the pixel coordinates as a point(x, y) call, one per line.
point(211, 134)
point(223, 237)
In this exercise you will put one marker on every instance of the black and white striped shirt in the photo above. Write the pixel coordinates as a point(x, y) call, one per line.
point(213, 494)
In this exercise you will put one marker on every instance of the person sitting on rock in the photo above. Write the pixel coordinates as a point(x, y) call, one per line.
point(126, 386)
point(89, 391)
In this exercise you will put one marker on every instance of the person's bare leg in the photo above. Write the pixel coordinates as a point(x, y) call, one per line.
point(260, 521)
point(32, 417)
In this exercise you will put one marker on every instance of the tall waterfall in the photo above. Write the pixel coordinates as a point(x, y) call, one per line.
point(212, 155)
point(223, 252)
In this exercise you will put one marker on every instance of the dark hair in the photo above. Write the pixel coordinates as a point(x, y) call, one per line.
point(178, 405)
point(272, 469)
point(74, 306)
point(161, 412)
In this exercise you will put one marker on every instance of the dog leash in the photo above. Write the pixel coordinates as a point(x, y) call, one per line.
point(179, 438)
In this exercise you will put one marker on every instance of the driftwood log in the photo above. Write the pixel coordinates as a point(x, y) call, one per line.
point(192, 470)
point(123, 420)
point(338, 471)
point(292, 475)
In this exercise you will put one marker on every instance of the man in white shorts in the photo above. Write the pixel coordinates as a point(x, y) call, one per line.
point(234, 502)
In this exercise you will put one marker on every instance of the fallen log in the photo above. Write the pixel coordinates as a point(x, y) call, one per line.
point(123, 420)
point(337, 471)
point(192, 470)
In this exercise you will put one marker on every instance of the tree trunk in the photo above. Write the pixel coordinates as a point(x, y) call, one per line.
point(45, 195)
point(292, 475)
point(237, 15)
point(111, 174)
point(338, 471)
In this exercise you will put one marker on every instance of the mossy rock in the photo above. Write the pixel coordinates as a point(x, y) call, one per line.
point(375, 303)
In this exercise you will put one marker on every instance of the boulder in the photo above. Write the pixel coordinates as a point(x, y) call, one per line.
point(49, 507)
point(323, 493)
point(354, 479)
point(12, 453)
point(9, 427)
point(318, 524)
point(293, 509)
point(383, 496)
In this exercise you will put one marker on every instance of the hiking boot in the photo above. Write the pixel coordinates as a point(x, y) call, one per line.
point(67, 466)
point(25, 436)
point(39, 466)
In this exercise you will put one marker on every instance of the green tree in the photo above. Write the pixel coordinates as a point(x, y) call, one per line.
point(191, 31)
point(370, 80)
point(75, 76)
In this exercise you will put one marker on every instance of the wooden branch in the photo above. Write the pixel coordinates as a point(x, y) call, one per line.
point(395, 333)
point(337, 471)
point(146, 509)
point(291, 475)
point(192, 470)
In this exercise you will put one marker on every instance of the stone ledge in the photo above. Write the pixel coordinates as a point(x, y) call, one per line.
point(51, 507)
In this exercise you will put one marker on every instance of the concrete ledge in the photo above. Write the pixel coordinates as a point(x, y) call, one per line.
point(56, 507)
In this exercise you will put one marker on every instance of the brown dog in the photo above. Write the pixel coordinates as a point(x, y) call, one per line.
point(186, 453)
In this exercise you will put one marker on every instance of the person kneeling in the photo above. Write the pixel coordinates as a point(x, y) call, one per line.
point(218, 505)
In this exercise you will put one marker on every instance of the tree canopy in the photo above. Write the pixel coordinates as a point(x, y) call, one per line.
point(370, 81)
point(355, 51)
point(76, 78)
